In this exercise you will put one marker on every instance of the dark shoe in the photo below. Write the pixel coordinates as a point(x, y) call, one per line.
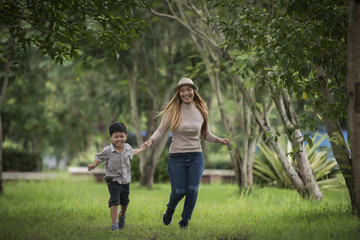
point(183, 224)
point(167, 217)
point(121, 221)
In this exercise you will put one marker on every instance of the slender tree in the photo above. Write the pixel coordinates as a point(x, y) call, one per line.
point(353, 90)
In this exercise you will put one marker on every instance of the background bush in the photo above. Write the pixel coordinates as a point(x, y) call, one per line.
point(268, 168)
point(218, 165)
point(20, 161)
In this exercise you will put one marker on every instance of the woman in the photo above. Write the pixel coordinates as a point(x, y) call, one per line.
point(187, 117)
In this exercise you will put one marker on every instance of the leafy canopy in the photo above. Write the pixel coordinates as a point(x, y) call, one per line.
point(59, 28)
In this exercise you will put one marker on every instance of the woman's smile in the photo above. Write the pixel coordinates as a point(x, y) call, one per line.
point(186, 94)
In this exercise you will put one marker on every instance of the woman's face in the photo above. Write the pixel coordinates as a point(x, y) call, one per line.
point(186, 94)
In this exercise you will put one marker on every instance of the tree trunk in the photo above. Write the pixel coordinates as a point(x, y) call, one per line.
point(205, 144)
point(251, 136)
point(246, 146)
point(338, 144)
point(289, 118)
point(306, 173)
point(342, 156)
point(265, 126)
point(134, 105)
point(1, 148)
point(353, 89)
point(145, 61)
point(252, 145)
point(148, 159)
point(339, 148)
point(2, 98)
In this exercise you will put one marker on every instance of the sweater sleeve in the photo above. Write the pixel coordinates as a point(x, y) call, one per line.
point(209, 136)
point(160, 131)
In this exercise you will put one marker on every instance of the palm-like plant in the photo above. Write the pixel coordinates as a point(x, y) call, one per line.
point(268, 167)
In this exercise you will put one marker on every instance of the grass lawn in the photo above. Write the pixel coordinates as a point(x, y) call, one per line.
point(76, 208)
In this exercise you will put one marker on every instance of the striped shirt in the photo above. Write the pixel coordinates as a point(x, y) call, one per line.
point(117, 165)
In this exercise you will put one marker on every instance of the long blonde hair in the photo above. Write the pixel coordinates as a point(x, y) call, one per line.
point(172, 111)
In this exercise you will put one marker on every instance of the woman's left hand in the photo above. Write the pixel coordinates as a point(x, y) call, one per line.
point(224, 141)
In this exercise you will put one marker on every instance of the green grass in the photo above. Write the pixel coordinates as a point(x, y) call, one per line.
point(76, 208)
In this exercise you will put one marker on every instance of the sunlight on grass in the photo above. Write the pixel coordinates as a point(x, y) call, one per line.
point(76, 208)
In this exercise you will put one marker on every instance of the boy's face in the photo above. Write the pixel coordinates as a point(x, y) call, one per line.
point(118, 138)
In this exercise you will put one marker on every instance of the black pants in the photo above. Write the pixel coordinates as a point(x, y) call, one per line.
point(119, 193)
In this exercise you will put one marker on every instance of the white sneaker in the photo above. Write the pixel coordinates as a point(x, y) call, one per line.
point(115, 227)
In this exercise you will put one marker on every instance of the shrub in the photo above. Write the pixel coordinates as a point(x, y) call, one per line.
point(20, 161)
point(218, 165)
point(269, 169)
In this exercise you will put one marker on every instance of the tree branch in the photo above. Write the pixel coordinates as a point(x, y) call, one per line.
point(196, 32)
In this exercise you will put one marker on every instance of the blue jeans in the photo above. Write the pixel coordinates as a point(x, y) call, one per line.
point(185, 170)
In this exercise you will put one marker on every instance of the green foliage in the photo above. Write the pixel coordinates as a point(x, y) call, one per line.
point(268, 168)
point(76, 208)
point(287, 44)
point(66, 108)
point(20, 161)
point(61, 29)
point(40, 99)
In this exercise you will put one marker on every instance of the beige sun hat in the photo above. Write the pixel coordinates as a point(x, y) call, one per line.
point(184, 82)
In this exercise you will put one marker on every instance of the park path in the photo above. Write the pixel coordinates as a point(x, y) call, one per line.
point(27, 175)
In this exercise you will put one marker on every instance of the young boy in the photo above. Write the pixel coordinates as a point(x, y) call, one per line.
point(117, 158)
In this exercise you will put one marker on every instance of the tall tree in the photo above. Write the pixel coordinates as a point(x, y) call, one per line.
point(353, 90)
point(60, 28)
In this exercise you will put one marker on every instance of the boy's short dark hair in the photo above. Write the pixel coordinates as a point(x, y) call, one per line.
point(117, 127)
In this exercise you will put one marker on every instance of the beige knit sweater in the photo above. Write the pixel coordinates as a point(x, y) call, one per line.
point(186, 138)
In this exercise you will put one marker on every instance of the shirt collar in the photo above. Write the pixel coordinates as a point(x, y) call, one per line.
point(113, 149)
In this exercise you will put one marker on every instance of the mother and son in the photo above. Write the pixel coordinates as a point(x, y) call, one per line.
point(187, 116)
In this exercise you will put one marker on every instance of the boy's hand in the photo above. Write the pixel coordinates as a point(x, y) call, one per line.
point(139, 150)
point(91, 166)
point(147, 144)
